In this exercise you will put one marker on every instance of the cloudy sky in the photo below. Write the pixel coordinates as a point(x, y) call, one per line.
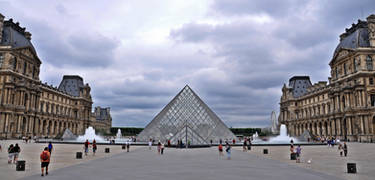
point(137, 55)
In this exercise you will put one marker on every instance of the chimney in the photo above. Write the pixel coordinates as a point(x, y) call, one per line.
point(371, 29)
point(1, 26)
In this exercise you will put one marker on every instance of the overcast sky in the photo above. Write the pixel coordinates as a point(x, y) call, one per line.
point(137, 55)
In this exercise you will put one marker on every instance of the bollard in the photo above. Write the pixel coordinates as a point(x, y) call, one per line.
point(352, 168)
point(123, 146)
point(265, 151)
point(20, 166)
point(293, 156)
point(106, 150)
point(79, 155)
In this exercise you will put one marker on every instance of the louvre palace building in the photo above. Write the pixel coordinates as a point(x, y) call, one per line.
point(345, 106)
point(29, 107)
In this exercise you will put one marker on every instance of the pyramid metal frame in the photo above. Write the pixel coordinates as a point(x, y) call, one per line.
point(186, 117)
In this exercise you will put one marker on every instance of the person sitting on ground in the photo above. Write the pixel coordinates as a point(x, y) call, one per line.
point(45, 159)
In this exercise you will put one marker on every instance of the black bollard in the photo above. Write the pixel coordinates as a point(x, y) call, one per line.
point(106, 150)
point(79, 155)
point(20, 165)
point(352, 168)
point(265, 151)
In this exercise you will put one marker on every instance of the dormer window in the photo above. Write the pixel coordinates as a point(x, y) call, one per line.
point(369, 63)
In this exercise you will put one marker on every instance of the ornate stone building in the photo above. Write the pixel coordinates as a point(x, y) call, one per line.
point(345, 107)
point(31, 108)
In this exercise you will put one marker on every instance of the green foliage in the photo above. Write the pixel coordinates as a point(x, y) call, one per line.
point(246, 131)
point(126, 131)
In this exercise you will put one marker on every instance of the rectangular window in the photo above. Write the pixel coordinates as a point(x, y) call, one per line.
point(14, 63)
point(372, 99)
point(371, 81)
point(369, 63)
point(345, 70)
point(1, 59)
point(24, 68)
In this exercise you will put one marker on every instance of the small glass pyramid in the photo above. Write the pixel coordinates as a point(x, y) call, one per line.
point(189, 119)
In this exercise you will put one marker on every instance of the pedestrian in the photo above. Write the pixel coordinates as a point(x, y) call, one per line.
point(339, 148)
point(169, 143)
point(45, 157)
point(50, 147)
point(17, 151)
point(234, 141)
point(94, 147)
point(149, 144)
point(220, 148)
point(162, 149)
point(211, 142)
point(228, 150)
point(159, 147)
point(244, 145)
point(249, 144)
point(1, 149)
point(345, 148)
point(298, 151)
point(10, 153)
point(86, 147)
point(127, 146)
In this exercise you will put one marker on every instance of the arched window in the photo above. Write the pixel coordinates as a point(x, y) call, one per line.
point(1, 59)
point(369, 63)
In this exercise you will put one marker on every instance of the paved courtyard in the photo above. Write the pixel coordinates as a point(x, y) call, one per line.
point(204, 163)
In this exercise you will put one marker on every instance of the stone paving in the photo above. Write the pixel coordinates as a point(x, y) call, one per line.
point(327, 160)
point(62, 156)
point(182, 164)
point(203, 163)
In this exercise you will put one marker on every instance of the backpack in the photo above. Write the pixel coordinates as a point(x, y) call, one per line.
point(44, 156)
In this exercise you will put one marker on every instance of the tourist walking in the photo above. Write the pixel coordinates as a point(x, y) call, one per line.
point(345, 148)
point(298, 151)
point(244, 145)
point(86, 147)
point(149, 144)
point(50, 147)
point(162, 149)
point(45, 157)
point(249, 144)
point(228, 150)
point(220, 148)
point(17, 151)
point(340, 149)
point(10, 153)
point(94, 147)
point(159, 147)
point(127, 146)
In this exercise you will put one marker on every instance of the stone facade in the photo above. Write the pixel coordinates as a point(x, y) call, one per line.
point(345, 106)
point(31, 108)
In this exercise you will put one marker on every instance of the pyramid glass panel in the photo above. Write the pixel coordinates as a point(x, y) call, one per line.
point(189, 119)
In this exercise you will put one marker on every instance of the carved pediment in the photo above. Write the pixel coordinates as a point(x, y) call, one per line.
point(30, 53)
point(342, 53)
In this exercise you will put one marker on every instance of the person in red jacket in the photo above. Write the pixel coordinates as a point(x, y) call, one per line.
point(45, 159)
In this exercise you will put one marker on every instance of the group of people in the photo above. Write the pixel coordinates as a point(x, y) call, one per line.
point(87, 145)
point(227, 149)
point(297, 151)
point(13, 153)
point(160, 146)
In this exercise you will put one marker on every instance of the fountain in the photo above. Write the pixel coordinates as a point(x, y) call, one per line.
point(283, 137)
point(89, 135)
point(118, 135)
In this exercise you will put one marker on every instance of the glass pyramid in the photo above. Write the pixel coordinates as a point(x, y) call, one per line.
point(189, 119)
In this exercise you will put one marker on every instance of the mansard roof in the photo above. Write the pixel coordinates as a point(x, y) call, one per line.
point(71, 84)
point(355, 37)
point(16, 37)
